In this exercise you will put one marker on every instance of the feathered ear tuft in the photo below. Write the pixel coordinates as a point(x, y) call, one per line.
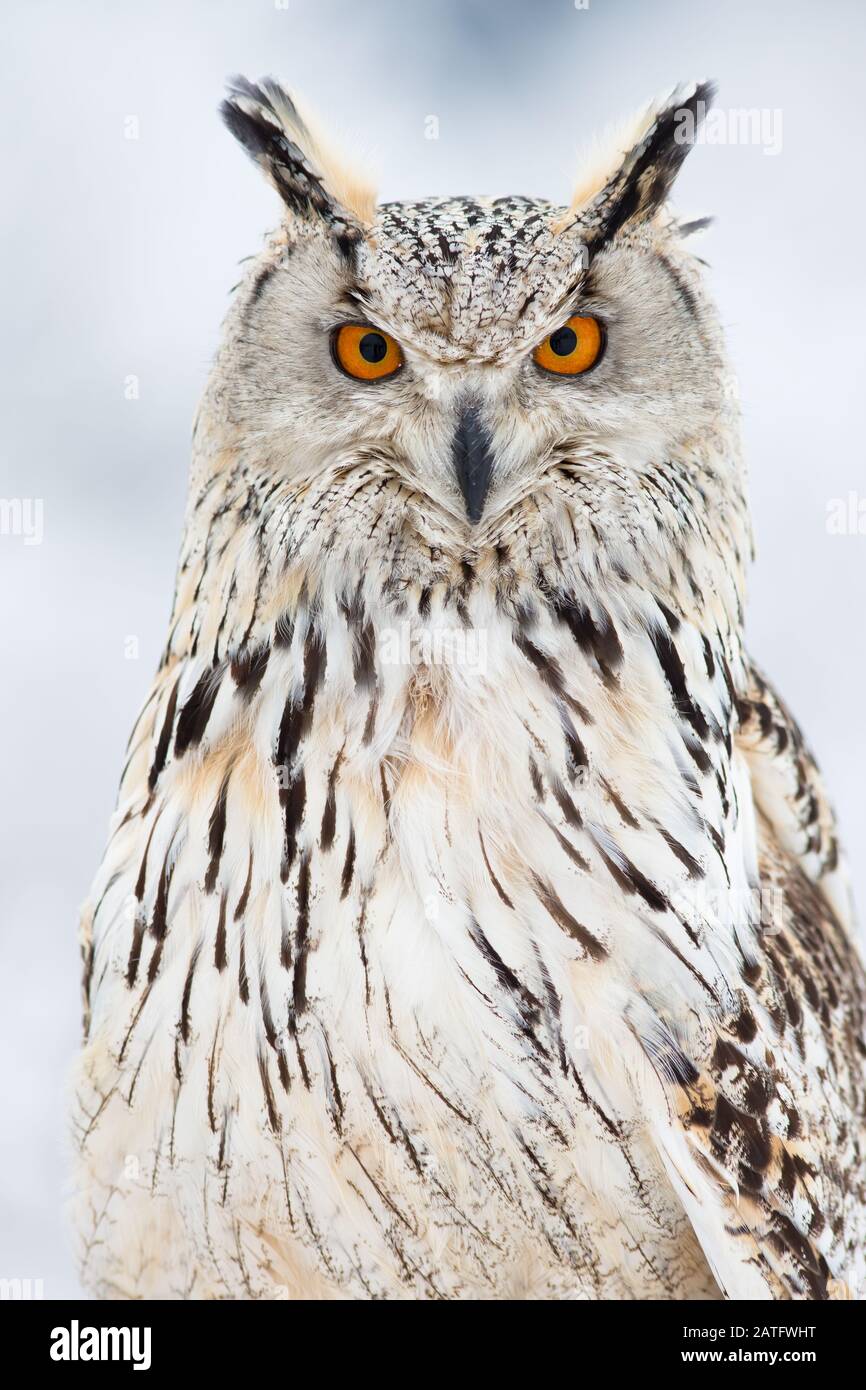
point(310, 179)
point(633, 183)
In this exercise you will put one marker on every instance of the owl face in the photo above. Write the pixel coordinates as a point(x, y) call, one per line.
point(483, 357)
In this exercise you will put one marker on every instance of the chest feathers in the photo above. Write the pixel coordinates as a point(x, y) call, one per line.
point(415, 895)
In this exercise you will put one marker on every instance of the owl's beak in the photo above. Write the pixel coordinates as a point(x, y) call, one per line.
point(473, 460)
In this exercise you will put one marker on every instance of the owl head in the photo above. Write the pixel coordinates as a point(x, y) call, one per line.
point(454, 374)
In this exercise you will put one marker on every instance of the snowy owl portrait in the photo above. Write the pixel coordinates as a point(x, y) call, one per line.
point(473, 923)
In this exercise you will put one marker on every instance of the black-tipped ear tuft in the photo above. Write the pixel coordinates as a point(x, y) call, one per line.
point(265, 120)
point(643, 181)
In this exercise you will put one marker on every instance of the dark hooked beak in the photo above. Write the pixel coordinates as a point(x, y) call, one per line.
point(473, 460)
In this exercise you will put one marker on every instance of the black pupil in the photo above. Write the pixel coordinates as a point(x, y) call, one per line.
point(563, 341)
point(372, 347)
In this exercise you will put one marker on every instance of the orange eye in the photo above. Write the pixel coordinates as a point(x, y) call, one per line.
point(573, 348)
point(365, 352)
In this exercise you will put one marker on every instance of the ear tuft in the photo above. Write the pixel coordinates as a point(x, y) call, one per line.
point(631, 186)
point(310, 179)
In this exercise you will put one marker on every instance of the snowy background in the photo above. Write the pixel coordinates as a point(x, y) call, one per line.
point(118, 255)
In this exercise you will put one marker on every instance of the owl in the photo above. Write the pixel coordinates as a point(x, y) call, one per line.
point(472, 923)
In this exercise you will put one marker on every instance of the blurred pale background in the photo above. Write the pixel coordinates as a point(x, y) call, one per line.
point(118, 255)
